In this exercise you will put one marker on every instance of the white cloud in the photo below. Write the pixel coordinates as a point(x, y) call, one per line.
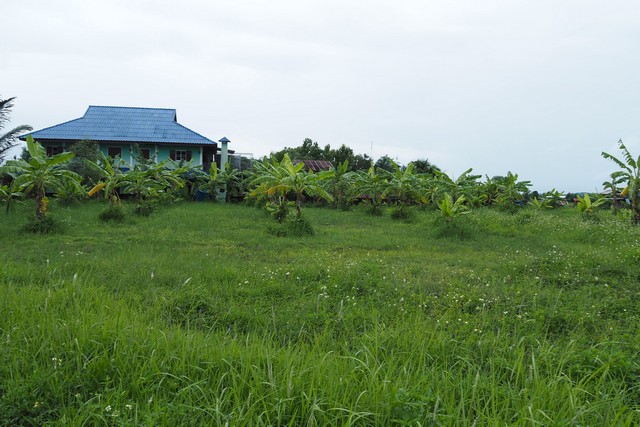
point(536, 87)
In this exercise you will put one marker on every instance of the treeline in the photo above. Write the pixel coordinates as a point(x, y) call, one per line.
point(310, 150)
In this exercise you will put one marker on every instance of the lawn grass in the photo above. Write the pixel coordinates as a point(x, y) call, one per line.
point(196, 315)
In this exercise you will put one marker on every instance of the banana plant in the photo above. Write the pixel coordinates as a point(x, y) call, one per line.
point(41, 173)
point(612, 186)
point(630, 173)
point(371, 185)
point(340, 184)
point(512, 191)
point(275, 178)
point(451, 209)
point(585, 205)
point(111, 177)
point(554, 198)
point(404, 186)
point(464, 185)
point(141, 185)
point(231, 180)
point(9, 195)
point(540, 204)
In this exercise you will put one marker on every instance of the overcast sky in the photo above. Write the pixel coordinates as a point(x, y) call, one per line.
point(536, 87)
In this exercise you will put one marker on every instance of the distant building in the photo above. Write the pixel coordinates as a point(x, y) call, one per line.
point(315, 165)
point(119, 131)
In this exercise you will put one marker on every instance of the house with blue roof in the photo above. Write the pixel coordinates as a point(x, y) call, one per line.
point(154, 133)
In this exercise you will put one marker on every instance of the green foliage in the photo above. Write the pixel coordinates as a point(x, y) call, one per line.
point(46, 224)
point(9, 196)
point(144, 208)
point(371, 186)
point(512, 191)
point(291, 227)
point(386, 163)
point(84, 151)
point(41, 173)
point(613, 187)
point(450, 209)
point(275, 179)
point(213, 182)
point(231, 179)
point(310, 150)
point(465, 185)
point(8, 139)
point(340, 183)
point(424, 166)
point(585, 206)
point(541, 204)
point(170, 321)
point(403, 186)
point(113, 213)
point(111, 177)
point(630, 173)
point(554, 198)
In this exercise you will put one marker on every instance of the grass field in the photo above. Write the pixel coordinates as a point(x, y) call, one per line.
point(197, 316)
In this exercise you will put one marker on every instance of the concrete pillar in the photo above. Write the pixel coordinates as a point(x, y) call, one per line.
point(224, 152)
point(224, 159)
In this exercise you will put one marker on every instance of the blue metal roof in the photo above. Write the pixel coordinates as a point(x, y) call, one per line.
point(124, 124)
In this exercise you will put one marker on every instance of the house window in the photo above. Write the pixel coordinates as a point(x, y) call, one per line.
point(145, 153)
point(52, 151)
point(114, 152)
point(179, 155)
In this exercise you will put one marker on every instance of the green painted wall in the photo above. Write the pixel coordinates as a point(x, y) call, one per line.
point(161, 151)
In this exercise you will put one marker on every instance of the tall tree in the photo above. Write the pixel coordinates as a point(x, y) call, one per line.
point(311, 150)
point(425, 166)
point(386, 163)
point(8, 140)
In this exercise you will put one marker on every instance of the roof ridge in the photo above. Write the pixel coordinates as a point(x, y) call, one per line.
point(132, 108)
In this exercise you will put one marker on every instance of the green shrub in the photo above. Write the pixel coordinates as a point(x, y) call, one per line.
point(293, 227)
point(113, 213)
point(144, 208)
point(458, 228)
point(44, 225)
point(402, 213)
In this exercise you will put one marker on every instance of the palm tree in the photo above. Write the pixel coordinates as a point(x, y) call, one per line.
point(8, 140)
point(41, 173)
point(630, 172)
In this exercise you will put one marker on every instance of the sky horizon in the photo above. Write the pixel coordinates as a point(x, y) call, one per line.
point(538, 88)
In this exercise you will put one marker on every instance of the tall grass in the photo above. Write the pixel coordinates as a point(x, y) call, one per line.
point(197, 315)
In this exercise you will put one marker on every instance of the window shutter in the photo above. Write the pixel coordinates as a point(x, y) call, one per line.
point(188, 155)
point(172, 154)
